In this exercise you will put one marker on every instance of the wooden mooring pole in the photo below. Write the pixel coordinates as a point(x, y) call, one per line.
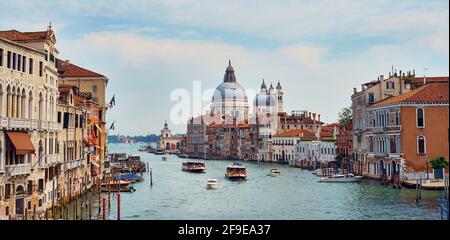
point(104, 209)
point(118, 205)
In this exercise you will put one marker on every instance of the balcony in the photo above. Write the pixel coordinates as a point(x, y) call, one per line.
point(20, 169)
point(18, 123)
point(73, 164)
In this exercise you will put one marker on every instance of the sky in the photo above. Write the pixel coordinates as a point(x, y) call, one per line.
point(318, 50)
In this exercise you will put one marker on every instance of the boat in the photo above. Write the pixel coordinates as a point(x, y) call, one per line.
point(197, 167)
point(236, 172)
point(275, 172)
point(183, 156)
point(341, 178)
point(129, 177)
point(122, 186)
point(164, 158)
point(159, 152)
point(323, 172)
point(212, 183)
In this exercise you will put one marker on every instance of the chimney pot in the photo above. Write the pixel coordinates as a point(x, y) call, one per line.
point(381, 77)
point(354, 91)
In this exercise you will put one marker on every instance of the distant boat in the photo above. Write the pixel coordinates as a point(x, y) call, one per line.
point(341, 178)
point(212, 183)
point(129, 177)
point(159, 152)
point(236, 172)
point(164, 158)
point(122, 186)
point(197, 167)
point(275, 172)
point(183, 156)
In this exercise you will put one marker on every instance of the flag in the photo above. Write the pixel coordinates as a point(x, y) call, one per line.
point(112, 126)
point(112, 102)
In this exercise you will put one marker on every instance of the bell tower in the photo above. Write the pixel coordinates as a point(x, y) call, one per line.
point(279, 97)
point(166, 132)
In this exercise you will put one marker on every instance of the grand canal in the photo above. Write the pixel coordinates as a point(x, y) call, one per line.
point(297, 194)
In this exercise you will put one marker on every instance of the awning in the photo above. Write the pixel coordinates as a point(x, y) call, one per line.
point(22, 142)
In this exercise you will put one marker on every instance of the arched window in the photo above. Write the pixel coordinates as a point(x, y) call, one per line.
point(421, 145)
point(420, 116)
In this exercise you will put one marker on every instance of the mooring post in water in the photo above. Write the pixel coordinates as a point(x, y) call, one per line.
point(99, 196)
point(441, 206)
point(109, 193)
point(151, 177)
point(104, 211)
point(420, 190)
point(417, 190)
point(118, 205)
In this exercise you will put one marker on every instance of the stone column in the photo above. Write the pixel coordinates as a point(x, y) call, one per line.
point(19, 106)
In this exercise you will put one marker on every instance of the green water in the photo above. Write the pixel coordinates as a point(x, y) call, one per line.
point(297, 194)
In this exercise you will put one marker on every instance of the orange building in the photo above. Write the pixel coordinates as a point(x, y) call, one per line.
point(406, 131)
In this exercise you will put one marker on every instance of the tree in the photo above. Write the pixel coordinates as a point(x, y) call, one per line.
point(345, 116)
point(438, 162)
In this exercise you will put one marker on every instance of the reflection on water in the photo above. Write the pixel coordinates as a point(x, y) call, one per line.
point(296, 194)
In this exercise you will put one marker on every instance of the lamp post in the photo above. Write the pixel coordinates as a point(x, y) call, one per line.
point(426, 160)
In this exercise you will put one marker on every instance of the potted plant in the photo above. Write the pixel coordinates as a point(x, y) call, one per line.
point(438, 164)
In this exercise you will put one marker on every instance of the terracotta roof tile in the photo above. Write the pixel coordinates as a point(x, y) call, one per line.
point(429, 79)
point(296, 133)
point(66, 69)
point(432, 92)
point(17, 36)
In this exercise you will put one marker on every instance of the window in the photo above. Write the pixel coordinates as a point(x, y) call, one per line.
point(14, 61)
point(31, 66)
point(94, 88)
point(30, 187)
point(7, 190)
point(66, 120)
point(19, 62)
point(41, 69)
point(371, 98)
point(24, 63)
point(390, 85)
point(9, 59)
point(1, 57)
point(420, 118)
point(76, 121)
point(59, 117)
point(421, 145)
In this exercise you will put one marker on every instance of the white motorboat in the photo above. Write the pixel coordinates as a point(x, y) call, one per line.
point(275, 172)
point(212, 183)
point(341, 178)
point(164, 158)
point(322, 172)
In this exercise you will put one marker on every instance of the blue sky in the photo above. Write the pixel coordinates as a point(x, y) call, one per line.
point(319, 50)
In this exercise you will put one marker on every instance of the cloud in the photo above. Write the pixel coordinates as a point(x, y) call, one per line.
point(144, 70)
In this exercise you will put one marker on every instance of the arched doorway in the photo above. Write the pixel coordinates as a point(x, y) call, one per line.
point(283, 156)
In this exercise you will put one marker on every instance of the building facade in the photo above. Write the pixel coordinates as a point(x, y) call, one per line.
point(28, 127)
point(405, 132)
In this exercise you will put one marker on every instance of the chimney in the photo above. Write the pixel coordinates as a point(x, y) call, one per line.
point(355, 91)
point(381, 77)
point(314, 116)
point(309, 115)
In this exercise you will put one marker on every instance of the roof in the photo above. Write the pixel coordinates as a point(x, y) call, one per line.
point(430, 93)
point(429, 79)
point(296, 133)
point(16, 36)
point(67, 69)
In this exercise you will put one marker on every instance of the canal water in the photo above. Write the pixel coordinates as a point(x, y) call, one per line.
point(296, 194)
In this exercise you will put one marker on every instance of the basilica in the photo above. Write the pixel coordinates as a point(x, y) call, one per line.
point(230, 130)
